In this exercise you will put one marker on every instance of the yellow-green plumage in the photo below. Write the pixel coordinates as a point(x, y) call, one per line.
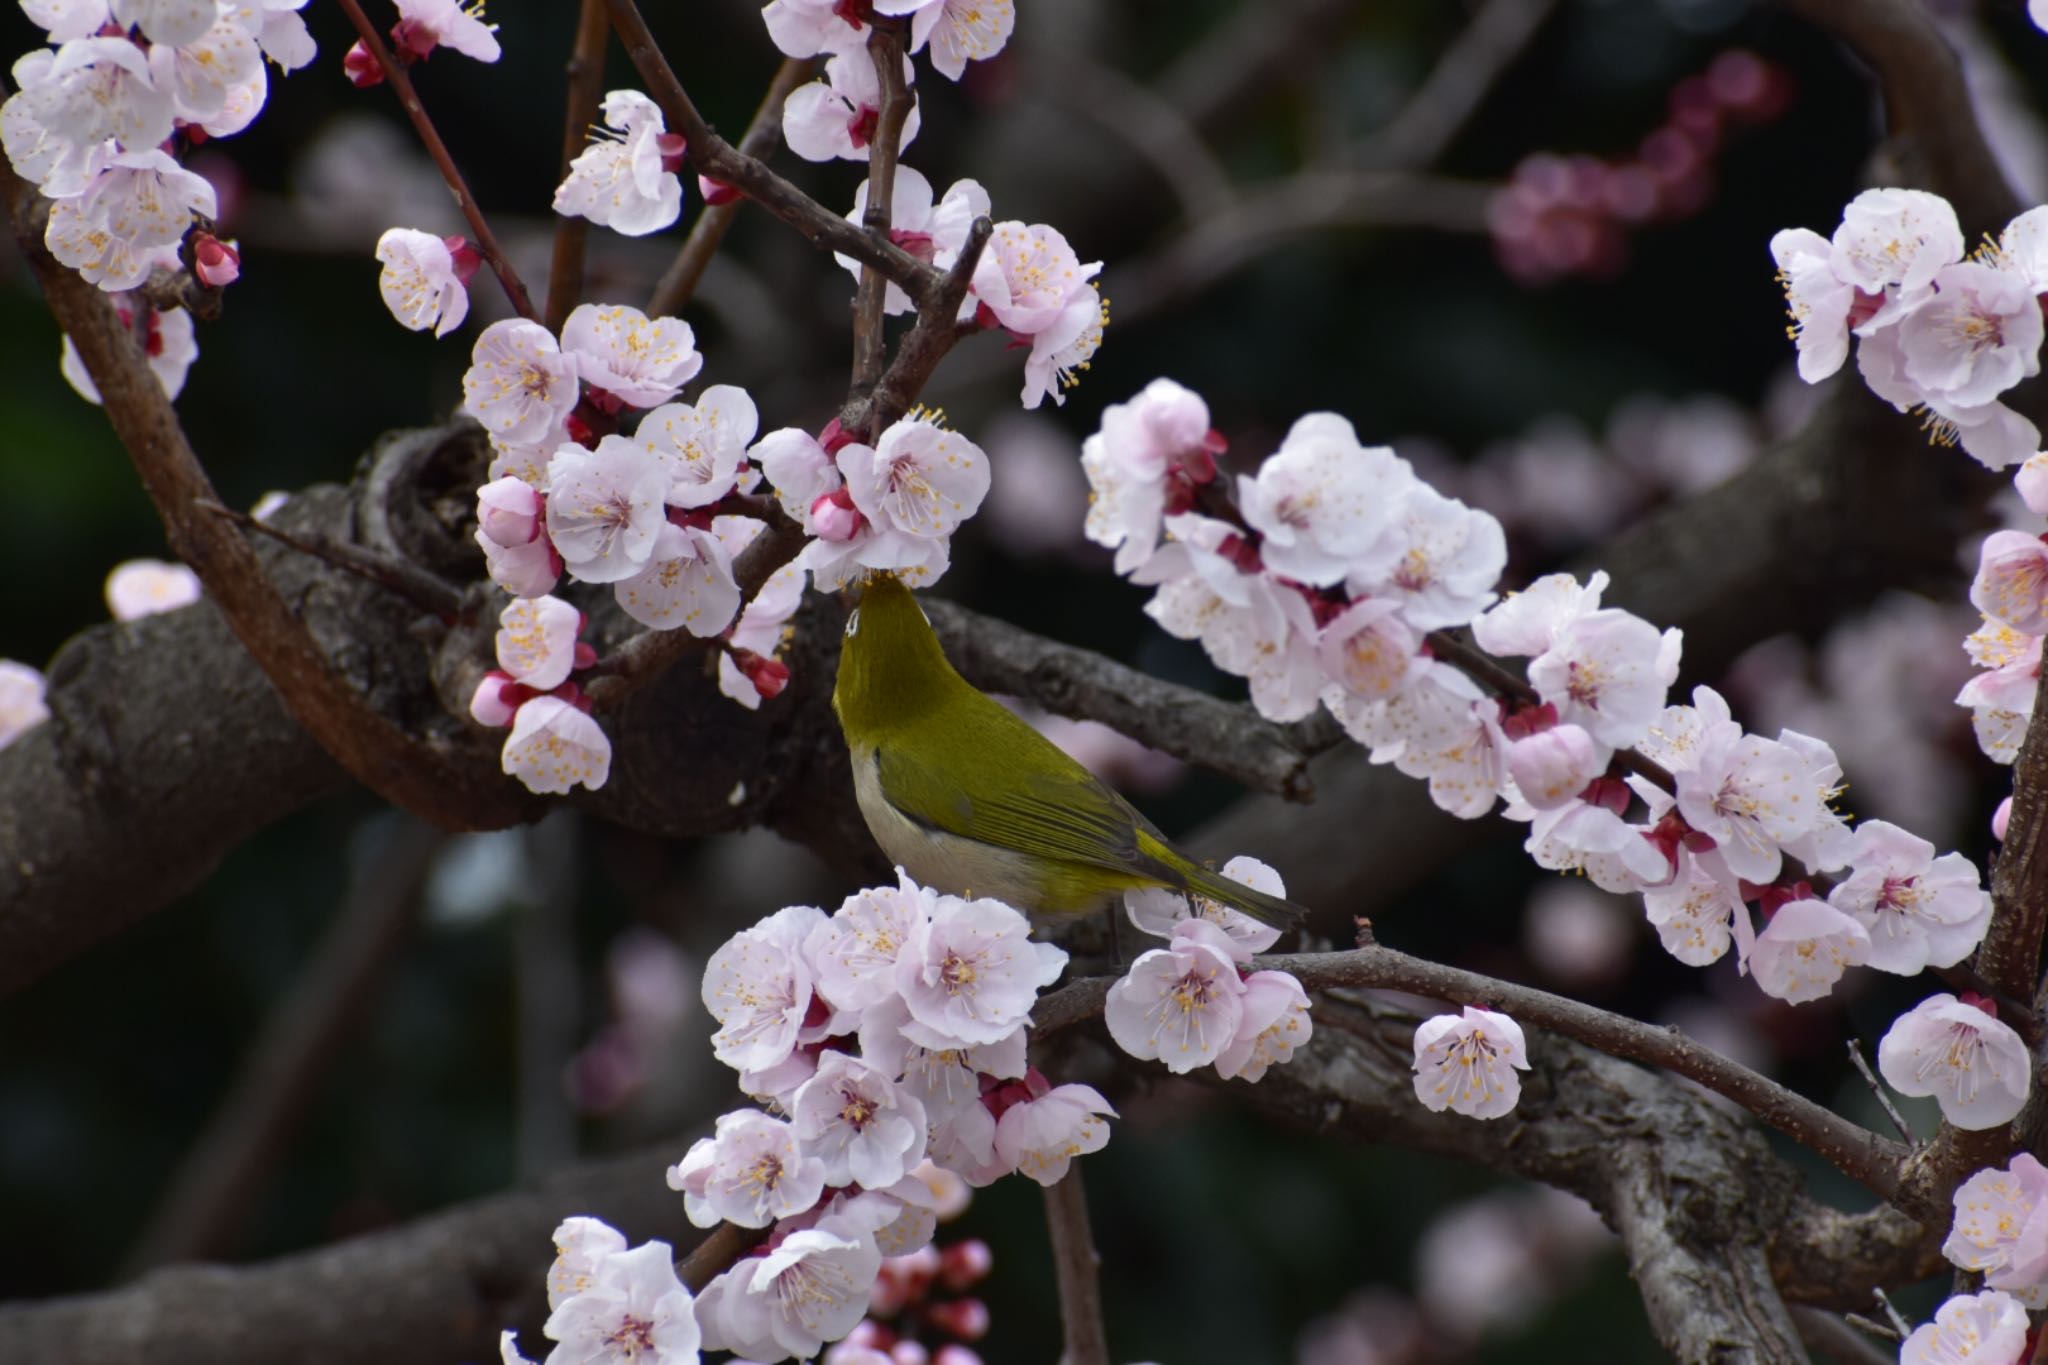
point(970, 799)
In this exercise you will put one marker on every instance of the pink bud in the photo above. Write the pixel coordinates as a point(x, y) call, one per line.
point(834, 438)
point(361, 68)
point(412, 40)
point(464, 257)
point(508, 511)
point(214, 261)
point(580, 431)
point(1527, 719)
point(909, 1353)
point(918, 244)
point(1769, 899)
point(2000, 818)
point(1554, 766)
point(966, 1319)
point(1982, 1002)
point(673, 148)
point(584, 655)
point(769, 676)
point(2032, 483)
point(489, 705)
point(965, 1263)
point(834, 517)
point(716, 192)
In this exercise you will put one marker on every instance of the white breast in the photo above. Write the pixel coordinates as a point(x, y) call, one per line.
point(946, 862)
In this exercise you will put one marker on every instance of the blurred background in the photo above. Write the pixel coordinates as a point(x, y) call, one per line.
point(1560, 307)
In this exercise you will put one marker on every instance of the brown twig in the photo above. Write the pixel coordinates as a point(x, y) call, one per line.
point(433, 783)
point(1151, 125)
point(678, 283)
point(1423, 128)
point(1077, 1268)
point(416, 585)
point(720, 160)
point(430, 137)
point(225, 1167)
point(885, 50)
point(925, 345)
point(1884, 1097)
point(722, 1246)
point(1873, 1161)
point(586, 92)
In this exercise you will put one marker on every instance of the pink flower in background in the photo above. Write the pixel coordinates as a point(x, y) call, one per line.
point(144, 587)
point(22, 708)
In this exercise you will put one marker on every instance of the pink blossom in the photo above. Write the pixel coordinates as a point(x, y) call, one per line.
point(961, 31)
point(758, 986)
point(1439, 727)
point(971, 973)
point(70, 103)
point(2012, 581)
point(634, 1310)
point(799, 471)
point(1040, 1137)
point(754, 1171)
point(1446, 559)
point(171, 347)
point(810, 28)
point(1749, 795)
point(1582, 836)
point(508, 511)
point(580, 1244)
point(424, 24)
point(1804, 950)
point(203, 74)
point(1973, 1064)
point(932, 231)
point(864, 1128)
point(1531, 621)
point(622, 180)
point(1896, 239)
point(1161, 432)
point(1608, 670)
point(643, 361)
point(1697, 911)
point(519, 384)
point(605, 511)
point(68, 19)
point(1818, 300)
point(2032, 482)
point(555, 745)
point(22, 705)
point(1920, 910)
point(523, 570)
point(1323, 503)
point(536, 640)
point(836, 117)
point(1551, 767)
point(702, 446)
point(811, 1287)
point(488, 705)
point(2001, 1229)
point(1977, 337)
point(687, 581)
point(1368, 649)
point(1159, 912)
point(144, 587)
point(1467, 1063)
point(1274, 1022)
point(1970, 1329)
point(1180, 1004)
point(854, 953)
point(760, 631)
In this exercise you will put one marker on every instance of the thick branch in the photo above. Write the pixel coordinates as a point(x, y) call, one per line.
point(1076, 1269)
point(924, 346)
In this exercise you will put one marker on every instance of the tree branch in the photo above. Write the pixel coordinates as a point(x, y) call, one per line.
point(586, 92)
point(1076, 1268)
point(1422, 130)
point(885, 50)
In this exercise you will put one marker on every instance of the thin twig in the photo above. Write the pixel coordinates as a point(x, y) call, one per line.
point(1873, 1161)
point(885, 50)
point(416, 585)
point(678, 283)
point(1077, 1268)
point(472, 212)
point(312, 1021)
point(1151, 125)
point(720, 160)
point(1423, 128)
point(586, 91)
point(1838, 1336)
point(1877, 1088)
point(925, 345)
point(721, 1247)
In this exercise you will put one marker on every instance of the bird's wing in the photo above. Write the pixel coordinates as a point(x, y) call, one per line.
point(1066, 814)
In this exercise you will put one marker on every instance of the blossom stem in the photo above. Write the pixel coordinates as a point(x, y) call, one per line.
point(1076, 1264)
point(430, 137)
point(721, 1246)
point(416, 585)
point(720, 160)
point(679, 283)
point(1884, 1096)
point(885, 49)
point(586, 90)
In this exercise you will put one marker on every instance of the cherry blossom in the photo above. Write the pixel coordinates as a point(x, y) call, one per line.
point(702, 447)
point(854, 953)
point(425, 24)
point(422, 282)
point(810, 28)
point(1589, 838)
point(171, 347)
point(623, 179)
point(1447, 558)
point(580, 1243)
point(961, 31)
point(1977, 337)
point(605, 511)
point(960, 1130)
point(2031, 479)
point(755, 1170)
point(519, 384)
point(1818, 299)
point(1921, 911)
point(971, 973)
point(687, 580)
point(496, 699)
point(537, 640)
point(1974, 1066)
point(526, 570)
point(1992, 433)
point(144, 587)
point(1181, 1004)
point(634, 1310)
point(799, 471)
point(758, 986)
point(203, 73)
point(280, 31)
point(508, 511)
point(1804, 950)
point(70, 103)
point(1030, 281)
point(1531, 621)
point(22, 708)
point(1067, 345)
point(1746, 793)
point(555, 745)
point(758, 636)
point(1896, 239)
point(932, 232)
point(864, 1128)
point(642, 360)
point(810, 1288)
point(68, 19)
point(2001, 1229)
point(1698, 910)
point(112, 232)
point(1608, 670)
point(1039, 1137)
point(1467, 1062)
point(912, 489)
point(1970, 1329)
point(1368, 649)
point(1440, 727)
point(1551, 767)
point(1274, 1022)
point(836, 117)
point(2012, 581)
point(1164, 430)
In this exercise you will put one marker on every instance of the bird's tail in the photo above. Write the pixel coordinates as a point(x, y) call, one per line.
point(1280, 914)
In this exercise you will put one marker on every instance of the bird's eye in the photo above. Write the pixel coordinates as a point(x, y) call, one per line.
point(853, 623)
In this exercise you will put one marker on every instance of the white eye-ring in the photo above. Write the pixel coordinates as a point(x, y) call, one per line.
point(852, 623)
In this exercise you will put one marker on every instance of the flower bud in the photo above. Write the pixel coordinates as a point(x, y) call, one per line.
point(488, 705)
point(769, 676)
point(413, 41)
point(716, 192)
point(215, 262)
point(463, 257)
point(2000, 819)
point(2032, 483)
point(508, 511)
point(361, 68)
point(1553, 766)
point(966, 1319)
point(834, 517)
point(965, 1263)
point(673, 148)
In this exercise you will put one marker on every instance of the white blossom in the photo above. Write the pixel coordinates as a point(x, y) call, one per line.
point(555, 745)
point(971, 973)
point(1921, 911)
point(856, 1120)
point(633, 1312)
point(536, 640)
point(1467, 1063)
point(519, 384)
point(144, 587)
point(701, 446)
point(1804, 950)
point(810, 1288)
point(643, 360)
point(687, 581)
point(419, 281)
point(1274, 1022)
point(1180, 1004)
point(619, 181)
point(1970, 1329)
point(753, 1171)
point(1973, 1064)
point(605, 510)
point(837, 116)
point(1040, 1137)
point(758, 986)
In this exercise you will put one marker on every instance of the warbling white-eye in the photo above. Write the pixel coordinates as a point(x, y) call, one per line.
point(970, 799)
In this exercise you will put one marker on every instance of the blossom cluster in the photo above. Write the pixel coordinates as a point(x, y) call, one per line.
point(554, 744)
point(611, 1302)
point(2011, 591)
point(92, 123)
point(1936, 330)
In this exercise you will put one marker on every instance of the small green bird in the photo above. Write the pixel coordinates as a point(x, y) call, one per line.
point(970, 799)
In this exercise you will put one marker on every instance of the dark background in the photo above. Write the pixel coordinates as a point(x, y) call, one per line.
point(1222, 1237)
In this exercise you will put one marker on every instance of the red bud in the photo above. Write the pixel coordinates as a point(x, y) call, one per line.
point(214, 261)
point(361, 68)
